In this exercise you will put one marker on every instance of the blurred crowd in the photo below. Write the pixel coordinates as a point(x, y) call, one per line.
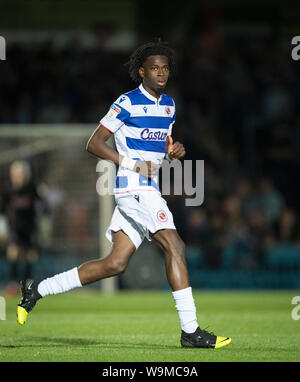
point(240, 105)
point(237, 228)
point(237, 109)
point(50, 84)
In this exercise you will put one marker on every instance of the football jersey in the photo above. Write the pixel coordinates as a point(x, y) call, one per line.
point(140, 123)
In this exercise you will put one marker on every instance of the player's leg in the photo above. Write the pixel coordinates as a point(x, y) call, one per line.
point(89, 272)
point(174, 253)
point(115, 263)
point(93, 270)
point(177, 275)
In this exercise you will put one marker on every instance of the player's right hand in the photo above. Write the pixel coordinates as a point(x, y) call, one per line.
point(147, 169)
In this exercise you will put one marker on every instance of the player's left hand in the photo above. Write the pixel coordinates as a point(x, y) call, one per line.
point(175, 150)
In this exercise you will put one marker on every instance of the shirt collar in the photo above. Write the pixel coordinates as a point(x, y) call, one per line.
point(148, 95)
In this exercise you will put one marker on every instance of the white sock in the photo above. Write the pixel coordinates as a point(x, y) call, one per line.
point(185, 305)
point(60, 283)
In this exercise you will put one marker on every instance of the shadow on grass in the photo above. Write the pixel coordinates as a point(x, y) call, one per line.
point(61, 341)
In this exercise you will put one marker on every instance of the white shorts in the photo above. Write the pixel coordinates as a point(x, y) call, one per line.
point(139, 214)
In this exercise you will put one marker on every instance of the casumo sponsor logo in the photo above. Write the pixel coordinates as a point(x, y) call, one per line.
point(148, 135)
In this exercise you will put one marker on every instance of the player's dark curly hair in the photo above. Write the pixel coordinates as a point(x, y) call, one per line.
point(140, 55)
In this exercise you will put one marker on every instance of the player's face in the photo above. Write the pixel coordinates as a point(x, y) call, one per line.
point(155, 73)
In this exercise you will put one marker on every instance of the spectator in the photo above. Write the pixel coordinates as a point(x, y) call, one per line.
point(19, 205)
point(197, 227)
point(215, 242)
point(237, 232)
point(268, 199)
point(286, 229)
point(261, 234)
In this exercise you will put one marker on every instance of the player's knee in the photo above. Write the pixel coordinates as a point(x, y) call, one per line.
point(181, 246)
point(178, 245)
point(175, 246)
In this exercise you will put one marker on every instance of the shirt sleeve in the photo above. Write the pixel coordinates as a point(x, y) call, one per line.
point(172, 122)
point(117, 114)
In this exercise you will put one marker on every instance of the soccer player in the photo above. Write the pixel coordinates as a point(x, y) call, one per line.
point(141, 122)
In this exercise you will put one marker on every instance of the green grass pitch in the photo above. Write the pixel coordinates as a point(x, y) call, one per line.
point(87, 326)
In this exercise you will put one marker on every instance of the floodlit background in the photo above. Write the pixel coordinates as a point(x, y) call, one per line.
point(236, 89)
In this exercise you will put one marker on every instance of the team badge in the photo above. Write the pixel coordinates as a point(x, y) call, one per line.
point(113, 112)
point(162, 216)
point(168, 110)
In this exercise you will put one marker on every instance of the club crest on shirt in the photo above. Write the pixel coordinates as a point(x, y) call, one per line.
point(113, 112)
point(162, 216)
point(168, 110)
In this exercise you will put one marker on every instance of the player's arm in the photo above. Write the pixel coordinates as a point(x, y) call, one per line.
point(97, 146)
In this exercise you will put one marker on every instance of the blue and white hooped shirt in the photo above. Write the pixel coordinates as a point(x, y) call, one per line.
point(140, 124)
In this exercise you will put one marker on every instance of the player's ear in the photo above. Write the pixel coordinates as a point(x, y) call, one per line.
point(141, 72)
